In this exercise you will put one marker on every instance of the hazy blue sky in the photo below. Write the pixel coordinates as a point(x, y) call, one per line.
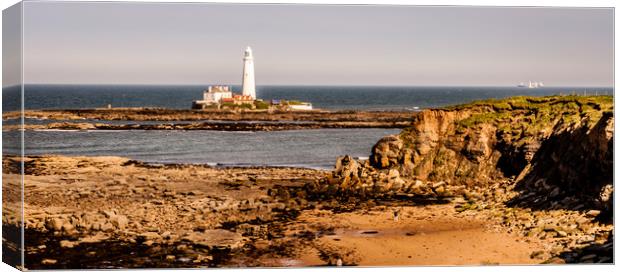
point(311, 44)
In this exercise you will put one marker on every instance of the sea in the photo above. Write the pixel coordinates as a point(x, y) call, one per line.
point(317, 148)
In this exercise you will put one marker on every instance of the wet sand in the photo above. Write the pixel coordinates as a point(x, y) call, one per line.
point(426, 236)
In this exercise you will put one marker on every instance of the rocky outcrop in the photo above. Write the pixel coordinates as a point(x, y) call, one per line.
point(162, 114)
point(358, 178)
point(558, 149)
point(432, 149)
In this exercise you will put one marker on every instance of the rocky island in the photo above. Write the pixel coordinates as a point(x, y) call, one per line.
point(227, 120)
point(521, 180)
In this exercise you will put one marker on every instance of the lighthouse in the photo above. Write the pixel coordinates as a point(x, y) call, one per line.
point(249, 87)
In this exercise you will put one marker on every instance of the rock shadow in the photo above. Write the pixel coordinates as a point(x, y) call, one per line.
point(44, 251)
point(593, 253)
point(571, 170)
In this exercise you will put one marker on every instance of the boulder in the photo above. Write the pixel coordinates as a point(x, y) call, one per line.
point(385, 152)
point(346, 167)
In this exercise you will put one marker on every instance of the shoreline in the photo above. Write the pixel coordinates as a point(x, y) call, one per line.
point(93, 212)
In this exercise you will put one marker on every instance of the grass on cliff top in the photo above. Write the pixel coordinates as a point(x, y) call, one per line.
point(520, 119)
point(529, 102)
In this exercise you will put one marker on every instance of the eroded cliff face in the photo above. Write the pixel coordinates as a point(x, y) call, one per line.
point(553, 146)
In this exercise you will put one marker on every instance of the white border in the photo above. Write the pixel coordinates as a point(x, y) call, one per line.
point(506, 3)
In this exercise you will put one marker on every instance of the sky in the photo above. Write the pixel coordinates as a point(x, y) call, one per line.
point(201, 43)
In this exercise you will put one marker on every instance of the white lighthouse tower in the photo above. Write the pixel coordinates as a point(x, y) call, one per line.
point(249, 87)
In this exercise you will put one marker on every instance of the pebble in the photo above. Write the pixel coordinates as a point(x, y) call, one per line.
point(107, 227)
point(67, 244)
point(119, 221)
point(48, 261)
point(150, 235)
point(68, 228)
point(588, 257)
point(537, 254)
point(55, 224)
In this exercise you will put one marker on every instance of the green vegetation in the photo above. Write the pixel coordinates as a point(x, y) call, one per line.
point(528, 102)
point(528, 117)
point(261, 105)
point(521, 119)
point(294, 102)
point(230, 105)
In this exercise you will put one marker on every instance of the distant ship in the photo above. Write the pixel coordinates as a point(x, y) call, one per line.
point(531, 85)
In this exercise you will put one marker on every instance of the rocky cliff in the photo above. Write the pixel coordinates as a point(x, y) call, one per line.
point(557, 149)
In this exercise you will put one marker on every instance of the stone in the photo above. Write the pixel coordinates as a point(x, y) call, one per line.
point(94, 238)
point(55, 224)
point(107, 227)
point(216, 238)
point(440, 190)
point(67, 244)
point(555, 260)
point(96, 226)
point(120, 181)
point(606, 193)
point(108, 214)
point(68, 228)
point(48, 261)
point(593, 213)
point(386, 151)
point(170, 258)
point(588, 257)
point(393, 174)
point(555, 192)
point(537, 254)
point(438, 184)
point(150, 235)
point(119, 221)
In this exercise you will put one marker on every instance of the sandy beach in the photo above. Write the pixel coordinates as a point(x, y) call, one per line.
point(98, 212)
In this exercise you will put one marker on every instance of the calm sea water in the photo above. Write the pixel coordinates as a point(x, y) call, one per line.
point(325, 97)
point(307, 148)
